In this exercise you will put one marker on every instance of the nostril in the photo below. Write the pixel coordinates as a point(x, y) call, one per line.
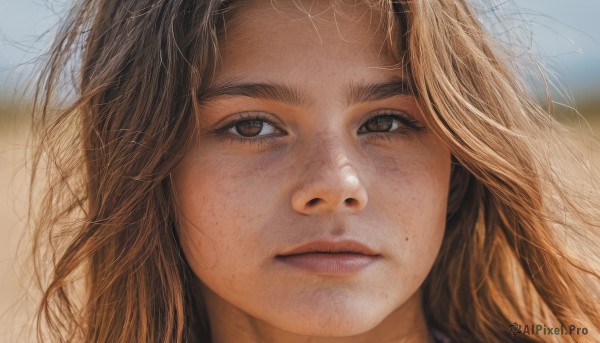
point(313, 202)
point(351, 202)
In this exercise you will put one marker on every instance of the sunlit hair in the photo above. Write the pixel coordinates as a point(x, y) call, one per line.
point(521, 241)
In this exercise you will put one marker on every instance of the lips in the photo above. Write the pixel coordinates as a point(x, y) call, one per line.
point(330, 257)
point(332, 247)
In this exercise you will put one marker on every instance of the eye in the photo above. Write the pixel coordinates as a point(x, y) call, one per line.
point(383, 123)
point(252, 128)
point(388, 122)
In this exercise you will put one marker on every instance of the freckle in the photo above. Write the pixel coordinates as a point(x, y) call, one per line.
point(406, 239)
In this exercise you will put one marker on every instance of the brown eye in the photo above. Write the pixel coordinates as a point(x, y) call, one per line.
point(249, 128)
point(252, 128)
point(383, 123)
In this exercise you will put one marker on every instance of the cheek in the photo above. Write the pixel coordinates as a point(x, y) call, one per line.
point(219, 215)
point(415, 181)
point(412, 193)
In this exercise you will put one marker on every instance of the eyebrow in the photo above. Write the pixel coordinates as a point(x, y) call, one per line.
point(267, 91)
point(355, 93)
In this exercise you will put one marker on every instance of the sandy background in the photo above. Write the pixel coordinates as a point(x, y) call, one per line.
point(16, 302)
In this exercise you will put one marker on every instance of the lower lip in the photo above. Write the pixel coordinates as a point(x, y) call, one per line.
point(329, 263)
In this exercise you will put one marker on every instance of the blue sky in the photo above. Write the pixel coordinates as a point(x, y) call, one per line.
point(566, 36)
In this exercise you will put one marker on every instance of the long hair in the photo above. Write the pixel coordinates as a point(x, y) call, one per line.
point(107, 257)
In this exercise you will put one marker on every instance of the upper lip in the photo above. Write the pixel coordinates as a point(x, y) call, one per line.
point(323, 246)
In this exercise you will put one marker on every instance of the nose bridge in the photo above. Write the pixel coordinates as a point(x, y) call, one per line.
point(329, 180)
point(327, 155)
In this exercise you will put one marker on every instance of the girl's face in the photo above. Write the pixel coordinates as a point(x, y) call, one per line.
point(309, 139)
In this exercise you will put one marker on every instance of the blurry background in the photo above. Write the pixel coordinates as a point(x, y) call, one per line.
point(563, 35)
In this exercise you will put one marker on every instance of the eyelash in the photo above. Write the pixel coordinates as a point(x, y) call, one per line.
point(408, 126)
point(225, 136)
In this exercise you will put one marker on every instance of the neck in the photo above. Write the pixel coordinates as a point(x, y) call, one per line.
point(229, 324)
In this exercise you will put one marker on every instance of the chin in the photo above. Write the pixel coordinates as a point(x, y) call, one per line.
point(333, 317)
point(331, 325)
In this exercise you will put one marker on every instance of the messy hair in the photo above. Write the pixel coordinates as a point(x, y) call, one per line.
point(521, 235)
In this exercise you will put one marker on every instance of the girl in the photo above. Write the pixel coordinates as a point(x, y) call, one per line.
point(303, 171)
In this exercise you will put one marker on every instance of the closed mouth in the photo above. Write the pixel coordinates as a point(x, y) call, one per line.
point(331, 247)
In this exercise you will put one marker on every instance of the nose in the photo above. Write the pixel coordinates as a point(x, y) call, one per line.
point(329, 182)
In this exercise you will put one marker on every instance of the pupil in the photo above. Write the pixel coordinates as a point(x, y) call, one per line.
point(380, 124)
point(249, 128)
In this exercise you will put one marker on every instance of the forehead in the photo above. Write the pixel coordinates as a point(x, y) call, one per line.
point(342, 15)
point(267, 38)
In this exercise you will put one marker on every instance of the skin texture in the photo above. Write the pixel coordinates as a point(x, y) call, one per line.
point(317, 176)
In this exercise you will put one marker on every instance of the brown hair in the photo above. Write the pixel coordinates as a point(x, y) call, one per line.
point(105, 225)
